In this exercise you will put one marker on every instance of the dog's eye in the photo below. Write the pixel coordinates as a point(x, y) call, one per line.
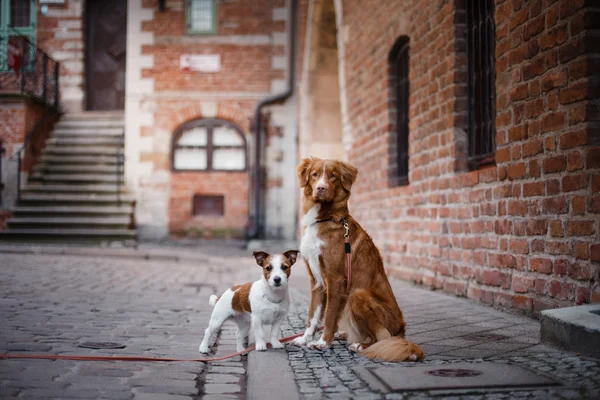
point(332, 176)
point(269, 268)
point(284, 267)
point(315, 174)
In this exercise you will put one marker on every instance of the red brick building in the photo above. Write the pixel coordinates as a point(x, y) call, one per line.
point(186, 76)
point(474, 125)
point(486, 182)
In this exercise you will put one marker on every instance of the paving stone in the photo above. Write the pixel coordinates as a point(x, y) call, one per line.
point(154, 396)
point(222, 378)
point(227, 370)
point(221, 388)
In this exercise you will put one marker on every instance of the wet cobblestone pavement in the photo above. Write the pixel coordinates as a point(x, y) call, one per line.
point(50, 303)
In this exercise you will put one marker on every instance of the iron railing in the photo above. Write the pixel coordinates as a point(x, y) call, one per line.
point(120, 165)
point(27, 70)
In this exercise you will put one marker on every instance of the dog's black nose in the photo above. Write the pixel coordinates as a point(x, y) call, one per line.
point(277, 280)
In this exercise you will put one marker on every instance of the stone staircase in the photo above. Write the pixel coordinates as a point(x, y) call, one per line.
point(74, 192)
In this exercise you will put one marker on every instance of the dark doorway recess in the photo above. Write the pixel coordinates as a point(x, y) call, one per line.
point(106, 22)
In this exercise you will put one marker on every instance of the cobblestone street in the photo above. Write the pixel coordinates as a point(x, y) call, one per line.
point(157, 306)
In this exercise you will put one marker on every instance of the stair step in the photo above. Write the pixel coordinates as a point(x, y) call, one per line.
point(69, 221)
point(84, 169)
point(108, 141)
point(68, 197)
point(100, 188)
point(76, 192)
point(77, 178)
point(76, 159)
point(74, 210)
point(81, 150)
point(93, 115)
point(83, 125)
point(87, 132)
point(80, 235)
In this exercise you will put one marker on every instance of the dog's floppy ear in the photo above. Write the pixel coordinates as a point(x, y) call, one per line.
point(291, 255)
point(348, 175)
point(260, 257)
point(303, 170)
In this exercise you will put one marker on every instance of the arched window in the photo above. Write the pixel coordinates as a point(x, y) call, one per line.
point(209, 145)
point(399, 85)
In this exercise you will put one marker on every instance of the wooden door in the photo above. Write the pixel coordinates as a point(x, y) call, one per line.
point(105, 55)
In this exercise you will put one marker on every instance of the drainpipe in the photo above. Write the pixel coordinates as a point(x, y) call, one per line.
point(1, 182)
point(256, 223)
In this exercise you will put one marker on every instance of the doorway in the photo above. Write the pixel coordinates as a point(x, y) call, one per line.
point(106, 22)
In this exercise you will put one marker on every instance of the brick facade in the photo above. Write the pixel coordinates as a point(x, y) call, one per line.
point(250, 39)
point(523, 233)
point(60, 33)
point(19, 115)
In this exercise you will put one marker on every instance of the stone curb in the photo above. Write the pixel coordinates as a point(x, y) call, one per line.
point(269, 376)
point(104, 252)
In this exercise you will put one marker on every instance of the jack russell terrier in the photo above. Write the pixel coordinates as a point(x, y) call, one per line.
point(261, 303)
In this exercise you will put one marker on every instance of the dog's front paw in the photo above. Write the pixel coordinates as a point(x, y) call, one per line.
point(276, 344)
point(355, 347)
point(301, 341)
point(203, 349)
point(261, 346)
point(318, 345)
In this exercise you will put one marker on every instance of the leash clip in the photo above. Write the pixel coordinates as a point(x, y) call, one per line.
point(347, 234)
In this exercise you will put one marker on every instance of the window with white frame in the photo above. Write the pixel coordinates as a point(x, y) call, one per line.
point(209, 145)
point(201, 17)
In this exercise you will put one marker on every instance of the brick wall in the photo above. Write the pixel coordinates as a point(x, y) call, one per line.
point(521, 234)
point(250, 40)
point(19, 115)
point(60, 34)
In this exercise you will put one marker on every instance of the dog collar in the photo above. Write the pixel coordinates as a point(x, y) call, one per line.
point(264, 296)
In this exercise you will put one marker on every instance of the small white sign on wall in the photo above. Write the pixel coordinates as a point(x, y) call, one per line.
point(200, 62)
point(52, 1)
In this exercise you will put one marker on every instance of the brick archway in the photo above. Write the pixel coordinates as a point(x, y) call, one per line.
point(195, 110)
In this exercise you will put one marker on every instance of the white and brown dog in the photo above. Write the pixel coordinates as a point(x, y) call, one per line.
point(368, 312)
point(262, 303)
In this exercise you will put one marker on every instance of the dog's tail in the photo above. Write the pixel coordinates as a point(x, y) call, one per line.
point(395, 348)
point(213, 300)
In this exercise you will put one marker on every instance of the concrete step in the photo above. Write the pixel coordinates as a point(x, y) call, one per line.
point(53, 149)
point(63, 234)
point(106, 141)
point(574, 329)
point(89, 123)
point(69, 221)
point(94, 115)
point(76, 179)
point(55, 159)
point(87, 132)
point(73, 210)
point(83, 169)
point(70, 198)
point(100, 188)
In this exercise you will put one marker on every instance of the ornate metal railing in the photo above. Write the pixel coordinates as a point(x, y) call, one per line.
point(25, 69)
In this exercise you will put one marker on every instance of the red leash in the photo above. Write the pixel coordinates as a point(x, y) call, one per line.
point(131, 358)
point(348, 255)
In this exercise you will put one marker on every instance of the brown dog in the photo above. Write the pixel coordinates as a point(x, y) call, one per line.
point(368, 312)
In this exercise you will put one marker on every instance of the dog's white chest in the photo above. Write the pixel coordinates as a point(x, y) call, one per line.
point(310, 246)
